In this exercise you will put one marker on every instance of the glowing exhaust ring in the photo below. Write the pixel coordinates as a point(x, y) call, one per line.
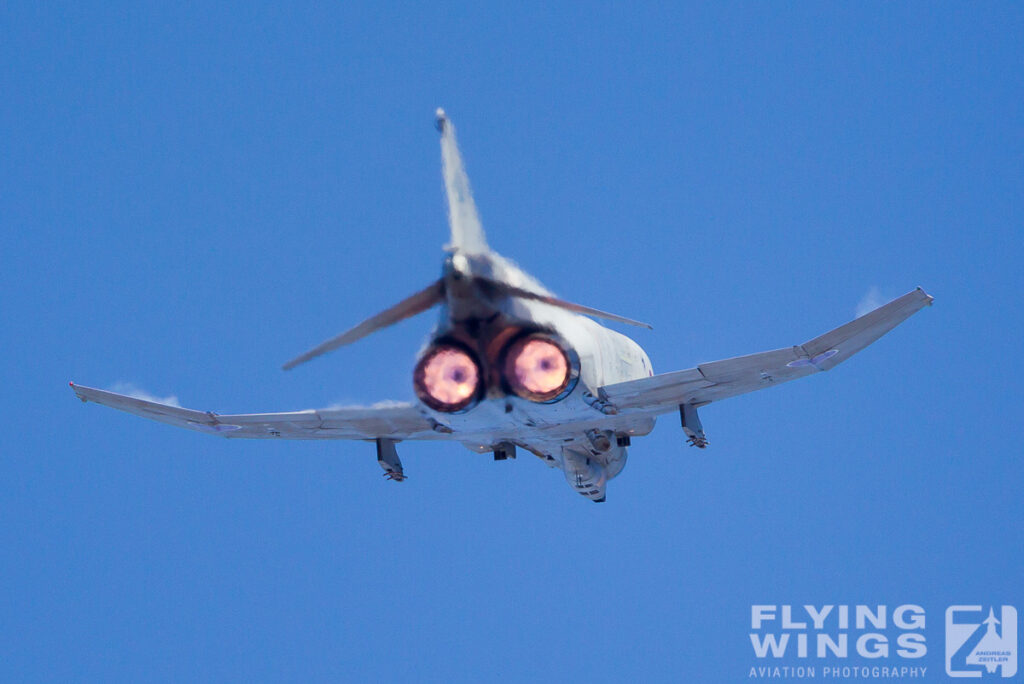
point(447, 378)
point(540, 368)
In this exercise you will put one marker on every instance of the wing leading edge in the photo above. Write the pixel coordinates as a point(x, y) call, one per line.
point(719, 380)
point(388, 421)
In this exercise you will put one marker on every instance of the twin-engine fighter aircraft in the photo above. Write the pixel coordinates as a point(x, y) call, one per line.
point(511, 366)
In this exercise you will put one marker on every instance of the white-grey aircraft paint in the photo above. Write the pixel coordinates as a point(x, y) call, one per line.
point(509, 365)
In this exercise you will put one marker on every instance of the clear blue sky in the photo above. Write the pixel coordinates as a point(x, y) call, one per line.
point(192, 196)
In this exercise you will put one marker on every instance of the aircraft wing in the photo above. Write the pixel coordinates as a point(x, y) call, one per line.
point(390, 421)
point(719, 380)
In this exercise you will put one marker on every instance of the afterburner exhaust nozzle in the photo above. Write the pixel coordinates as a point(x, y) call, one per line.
point(540, 369)
point(448, 378)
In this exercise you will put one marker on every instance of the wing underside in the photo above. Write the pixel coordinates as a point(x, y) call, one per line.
point(706, 383)
point(719, 380)
point(389, 421)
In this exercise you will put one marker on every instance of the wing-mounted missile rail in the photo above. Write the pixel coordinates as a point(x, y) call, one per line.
point(691, 426)
point(387, 457)
point(504, 450)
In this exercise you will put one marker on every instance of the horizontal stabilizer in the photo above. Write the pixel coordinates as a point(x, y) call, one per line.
point(512, 291)
point(410, 306)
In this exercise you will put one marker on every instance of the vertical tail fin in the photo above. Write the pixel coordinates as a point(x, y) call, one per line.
point(467, 234)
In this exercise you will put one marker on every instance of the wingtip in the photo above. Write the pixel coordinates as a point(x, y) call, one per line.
point(74, 388)
point(292, 363)
point(929, 300)
point(297, 361)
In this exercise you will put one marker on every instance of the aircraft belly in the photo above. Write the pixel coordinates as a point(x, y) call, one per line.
point(515, 419)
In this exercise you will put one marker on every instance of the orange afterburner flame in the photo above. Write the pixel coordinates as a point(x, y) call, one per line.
point(447, 378)
point(537, 368)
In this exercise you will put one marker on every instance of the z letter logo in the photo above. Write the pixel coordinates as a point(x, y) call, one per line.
point(979, 642)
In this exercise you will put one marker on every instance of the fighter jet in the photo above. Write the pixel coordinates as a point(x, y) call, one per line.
point(510, 366)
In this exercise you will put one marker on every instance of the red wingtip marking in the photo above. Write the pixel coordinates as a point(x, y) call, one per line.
point(71, 384)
